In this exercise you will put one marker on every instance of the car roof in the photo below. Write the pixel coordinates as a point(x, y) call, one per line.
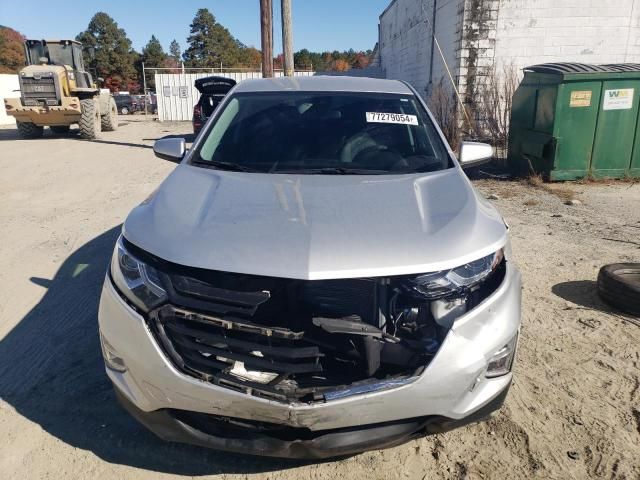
point(323, 83)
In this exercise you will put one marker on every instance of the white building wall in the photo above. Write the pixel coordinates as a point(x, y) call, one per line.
point(8, 86)
point(405, 41)
point(477, 36)
point(584, 31)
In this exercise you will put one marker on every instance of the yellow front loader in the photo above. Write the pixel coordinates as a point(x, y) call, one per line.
point(56, 92)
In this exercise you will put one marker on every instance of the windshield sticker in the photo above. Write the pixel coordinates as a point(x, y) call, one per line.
point(399, 118)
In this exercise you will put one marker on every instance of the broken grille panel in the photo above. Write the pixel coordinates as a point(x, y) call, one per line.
point(260, 336)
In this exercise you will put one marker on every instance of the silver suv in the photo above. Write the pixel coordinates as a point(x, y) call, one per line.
point(316, 278)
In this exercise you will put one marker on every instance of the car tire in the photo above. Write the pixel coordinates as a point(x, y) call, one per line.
point(90, 119)
point(60, 129)
point(124, 111)
point(109, 121)
point(619, 286)
point(29, 130)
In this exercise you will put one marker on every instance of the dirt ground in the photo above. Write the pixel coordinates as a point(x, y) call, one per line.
point(572, 413)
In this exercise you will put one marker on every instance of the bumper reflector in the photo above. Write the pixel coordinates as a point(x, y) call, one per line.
point(111, 358)
point(501, 362)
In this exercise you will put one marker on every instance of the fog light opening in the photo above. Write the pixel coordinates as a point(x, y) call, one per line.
point(502, 361)
point(111, 358)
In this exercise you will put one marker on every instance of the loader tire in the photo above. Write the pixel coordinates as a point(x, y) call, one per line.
point(90, 119)
point(109, 120)
point(60, 129)
point(619, 286)
point(29, 130)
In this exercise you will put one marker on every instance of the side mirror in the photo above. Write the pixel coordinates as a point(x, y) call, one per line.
point(172, 149)
point(474, 153)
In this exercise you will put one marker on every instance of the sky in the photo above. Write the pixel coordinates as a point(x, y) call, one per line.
point(318, 25)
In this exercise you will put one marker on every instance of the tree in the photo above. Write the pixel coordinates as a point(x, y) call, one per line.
point(174, 50)
point(250, 57)
point(210, 44)
point(11, 50)
point(340, 65)
point(303, 59)
point(336, 61)
point(153, 55)
point(113, 58)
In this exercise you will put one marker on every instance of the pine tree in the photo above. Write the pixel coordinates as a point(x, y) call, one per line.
point(153, 55)
point(210, 44)
point(174, 50)
point(113, 58)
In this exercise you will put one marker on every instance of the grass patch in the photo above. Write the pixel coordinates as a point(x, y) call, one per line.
point(564, 193)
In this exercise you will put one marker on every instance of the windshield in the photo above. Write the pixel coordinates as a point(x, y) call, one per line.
point(35, 50)
point(323, 132)
point(60, 54)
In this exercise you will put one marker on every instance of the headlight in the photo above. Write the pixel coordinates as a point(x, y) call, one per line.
point(139, 282)
point(447, 282)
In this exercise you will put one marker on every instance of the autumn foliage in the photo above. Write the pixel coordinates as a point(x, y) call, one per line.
point(11, 50)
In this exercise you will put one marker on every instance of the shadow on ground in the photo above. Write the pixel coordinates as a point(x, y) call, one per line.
point(585, 294)
point(51, 372)
point(188, 137)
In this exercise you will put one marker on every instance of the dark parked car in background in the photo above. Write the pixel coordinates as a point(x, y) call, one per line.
point(212, 91)
point(126, 104)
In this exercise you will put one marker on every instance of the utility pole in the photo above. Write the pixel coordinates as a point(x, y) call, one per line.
point(266, 27)
point(287, 38)
point(144, 89)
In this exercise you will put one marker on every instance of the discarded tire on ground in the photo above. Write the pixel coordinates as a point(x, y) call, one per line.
point(619, 286)
point(29, 130)
point(90, 121)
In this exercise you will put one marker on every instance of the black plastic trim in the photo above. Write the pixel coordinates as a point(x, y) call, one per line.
point(292, 442)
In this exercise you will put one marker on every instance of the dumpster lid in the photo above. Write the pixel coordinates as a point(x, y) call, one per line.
point(565, 68)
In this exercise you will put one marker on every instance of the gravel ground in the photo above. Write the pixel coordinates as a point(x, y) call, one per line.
point(573, 411)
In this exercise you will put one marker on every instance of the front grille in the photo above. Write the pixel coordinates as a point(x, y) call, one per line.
point(36, 91)
point(256, 334)
point(231, 352)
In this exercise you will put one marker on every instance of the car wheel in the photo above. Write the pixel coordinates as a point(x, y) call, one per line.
point(124, 111)
point(619, 286)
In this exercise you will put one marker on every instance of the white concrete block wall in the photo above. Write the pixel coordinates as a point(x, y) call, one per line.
point(527, 32)
point(449, 18)
point(584, 31)
point(8, 86)
point(406, 37)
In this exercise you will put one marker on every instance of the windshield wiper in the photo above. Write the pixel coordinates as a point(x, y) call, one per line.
point(230, 166)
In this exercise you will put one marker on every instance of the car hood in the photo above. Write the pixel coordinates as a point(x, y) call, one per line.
point(316, 226)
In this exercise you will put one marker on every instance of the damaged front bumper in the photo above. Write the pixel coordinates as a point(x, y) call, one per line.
point(452, 390)
point(227, 434)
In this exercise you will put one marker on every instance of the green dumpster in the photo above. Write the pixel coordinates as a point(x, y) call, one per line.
point(571, 120)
